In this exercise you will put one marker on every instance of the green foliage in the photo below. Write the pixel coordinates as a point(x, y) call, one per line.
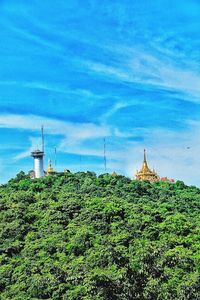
point(79, 236)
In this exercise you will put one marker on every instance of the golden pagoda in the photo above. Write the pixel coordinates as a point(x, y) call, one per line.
point(50, 170)
point(114, 174)
point(145, 173)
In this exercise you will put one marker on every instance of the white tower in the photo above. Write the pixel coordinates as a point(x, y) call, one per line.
point(38, 160)
point(38, 163)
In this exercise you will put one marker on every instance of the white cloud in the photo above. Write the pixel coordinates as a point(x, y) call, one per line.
point(161, 71)
point(113, 110)
point(72, 133)
point(35, 143)
point(51, 87)
point(71, 130)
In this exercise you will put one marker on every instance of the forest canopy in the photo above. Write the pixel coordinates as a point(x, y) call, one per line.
point(82, 236)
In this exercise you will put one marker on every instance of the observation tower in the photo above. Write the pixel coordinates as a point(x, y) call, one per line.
point(38, 156)
point(38, 163)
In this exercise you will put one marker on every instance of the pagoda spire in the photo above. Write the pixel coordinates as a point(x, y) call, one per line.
point(50, 169)
point(145, 167)
point(145, 159)
point(145, 172)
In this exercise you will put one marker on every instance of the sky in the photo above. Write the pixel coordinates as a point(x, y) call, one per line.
point(127, 71)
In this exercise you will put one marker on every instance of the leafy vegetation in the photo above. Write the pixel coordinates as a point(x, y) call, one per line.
point(79, 236)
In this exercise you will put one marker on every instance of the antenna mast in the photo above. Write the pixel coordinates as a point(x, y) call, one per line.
point(80, 163)
point(55, 156)
point(104, 153)
point(42, 130)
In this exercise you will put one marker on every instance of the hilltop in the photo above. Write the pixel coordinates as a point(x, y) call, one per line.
point(82, 236)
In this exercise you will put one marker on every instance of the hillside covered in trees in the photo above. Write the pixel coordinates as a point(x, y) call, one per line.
point(80, 236)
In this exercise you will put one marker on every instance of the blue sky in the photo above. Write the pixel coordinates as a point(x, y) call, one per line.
point(127, 71)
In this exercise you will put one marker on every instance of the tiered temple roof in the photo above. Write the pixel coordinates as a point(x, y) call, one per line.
point(146, 173)
point(50, 170)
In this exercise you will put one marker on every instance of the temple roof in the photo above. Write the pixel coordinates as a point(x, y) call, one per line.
point(114, 174)
point(145, 168)
point(50, 169)
point(145, 172)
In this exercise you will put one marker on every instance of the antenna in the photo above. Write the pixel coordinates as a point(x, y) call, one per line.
point(104, 153)
point(55, 152)
point(42, 130)
point(80, 163)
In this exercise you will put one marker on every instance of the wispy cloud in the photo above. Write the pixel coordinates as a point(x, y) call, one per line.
point(51, 87)
point(113, 110)
point(53, 126)
point(35, 143)
point(71, 132)
point(148, 69)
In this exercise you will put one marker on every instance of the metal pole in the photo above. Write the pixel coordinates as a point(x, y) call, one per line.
point(104, 153)
point(80, 162)
point(42, 129)
point(55, 157)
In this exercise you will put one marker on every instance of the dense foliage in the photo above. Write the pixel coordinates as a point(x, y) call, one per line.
point(79, 236)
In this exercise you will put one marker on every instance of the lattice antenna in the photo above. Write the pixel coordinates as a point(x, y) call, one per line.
point(104, 154)
point(42, 132)
point(55, 157)
point(80, 158)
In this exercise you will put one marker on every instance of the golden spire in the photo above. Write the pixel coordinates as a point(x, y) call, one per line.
point(50, 169)
point(145, 173)
point(145, 167)
point(114, 174)
point(145, 159)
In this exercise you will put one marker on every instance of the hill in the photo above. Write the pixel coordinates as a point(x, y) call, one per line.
point(79, 236)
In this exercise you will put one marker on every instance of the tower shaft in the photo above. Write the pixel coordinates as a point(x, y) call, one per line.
point(38, 167)
point(38, 163)
point(38, 156)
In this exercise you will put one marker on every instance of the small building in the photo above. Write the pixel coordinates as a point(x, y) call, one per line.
point(166, 179)
point(146, 173)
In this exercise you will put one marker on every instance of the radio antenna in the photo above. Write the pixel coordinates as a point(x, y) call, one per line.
point(42, 131)
point(104, 153)
point(55, 152)
point(80, 162)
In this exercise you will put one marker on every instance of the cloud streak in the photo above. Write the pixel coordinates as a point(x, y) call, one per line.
point(74, 131)
point(146, 69)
